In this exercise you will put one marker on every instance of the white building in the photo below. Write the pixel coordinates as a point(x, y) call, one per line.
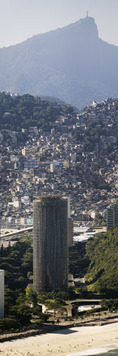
point(73, 157)
point(1, 294)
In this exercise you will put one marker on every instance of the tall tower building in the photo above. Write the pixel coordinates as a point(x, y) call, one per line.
point(112, 216)
point(70, 232)
point(1, 294)
point(50, 246)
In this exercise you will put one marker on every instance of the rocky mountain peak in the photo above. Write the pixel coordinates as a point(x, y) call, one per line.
point(88, 28)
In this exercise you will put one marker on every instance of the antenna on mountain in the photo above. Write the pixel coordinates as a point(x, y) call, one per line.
point(87, 14)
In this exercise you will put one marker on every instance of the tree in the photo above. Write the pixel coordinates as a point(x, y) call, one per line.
point(10, 299)
point(22, 313)
point(21, 282)
point(31, 296)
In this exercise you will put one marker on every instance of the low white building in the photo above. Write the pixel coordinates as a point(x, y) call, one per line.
point(1, 294)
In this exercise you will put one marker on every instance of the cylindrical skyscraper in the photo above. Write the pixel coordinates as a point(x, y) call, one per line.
point(50, 248)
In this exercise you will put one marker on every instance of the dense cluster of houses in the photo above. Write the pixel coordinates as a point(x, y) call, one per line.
point(78, 158)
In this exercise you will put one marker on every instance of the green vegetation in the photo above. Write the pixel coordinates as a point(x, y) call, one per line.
point(17, 263)
point(110, 304)
point(95, 260)
point(78, 261)
point(23, 111)
point(102, 272)
point(22, 304)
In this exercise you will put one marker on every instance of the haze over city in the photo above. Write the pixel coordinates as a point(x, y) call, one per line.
point(23, 19)
point(58, 177)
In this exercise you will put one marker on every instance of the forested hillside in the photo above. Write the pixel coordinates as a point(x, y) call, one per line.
point(20, 112)
point(102, 273)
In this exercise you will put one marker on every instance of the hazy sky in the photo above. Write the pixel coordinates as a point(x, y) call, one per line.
point(21, 19)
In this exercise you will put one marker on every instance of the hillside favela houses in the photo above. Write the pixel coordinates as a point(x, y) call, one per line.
point(76, 156)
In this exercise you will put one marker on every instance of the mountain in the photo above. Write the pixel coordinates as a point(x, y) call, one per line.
point(70, 63)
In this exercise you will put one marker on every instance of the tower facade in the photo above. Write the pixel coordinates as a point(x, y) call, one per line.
point(112, 216)
point(1, 294)
point(50, 244)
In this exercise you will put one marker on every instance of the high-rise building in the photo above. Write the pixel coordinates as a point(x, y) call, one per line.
point(50, 246)
point(70, 224)
point(112, 216)
point(1, 294)
point(70, 232)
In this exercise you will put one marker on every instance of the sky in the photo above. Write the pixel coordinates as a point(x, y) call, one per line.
point(22, 19)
